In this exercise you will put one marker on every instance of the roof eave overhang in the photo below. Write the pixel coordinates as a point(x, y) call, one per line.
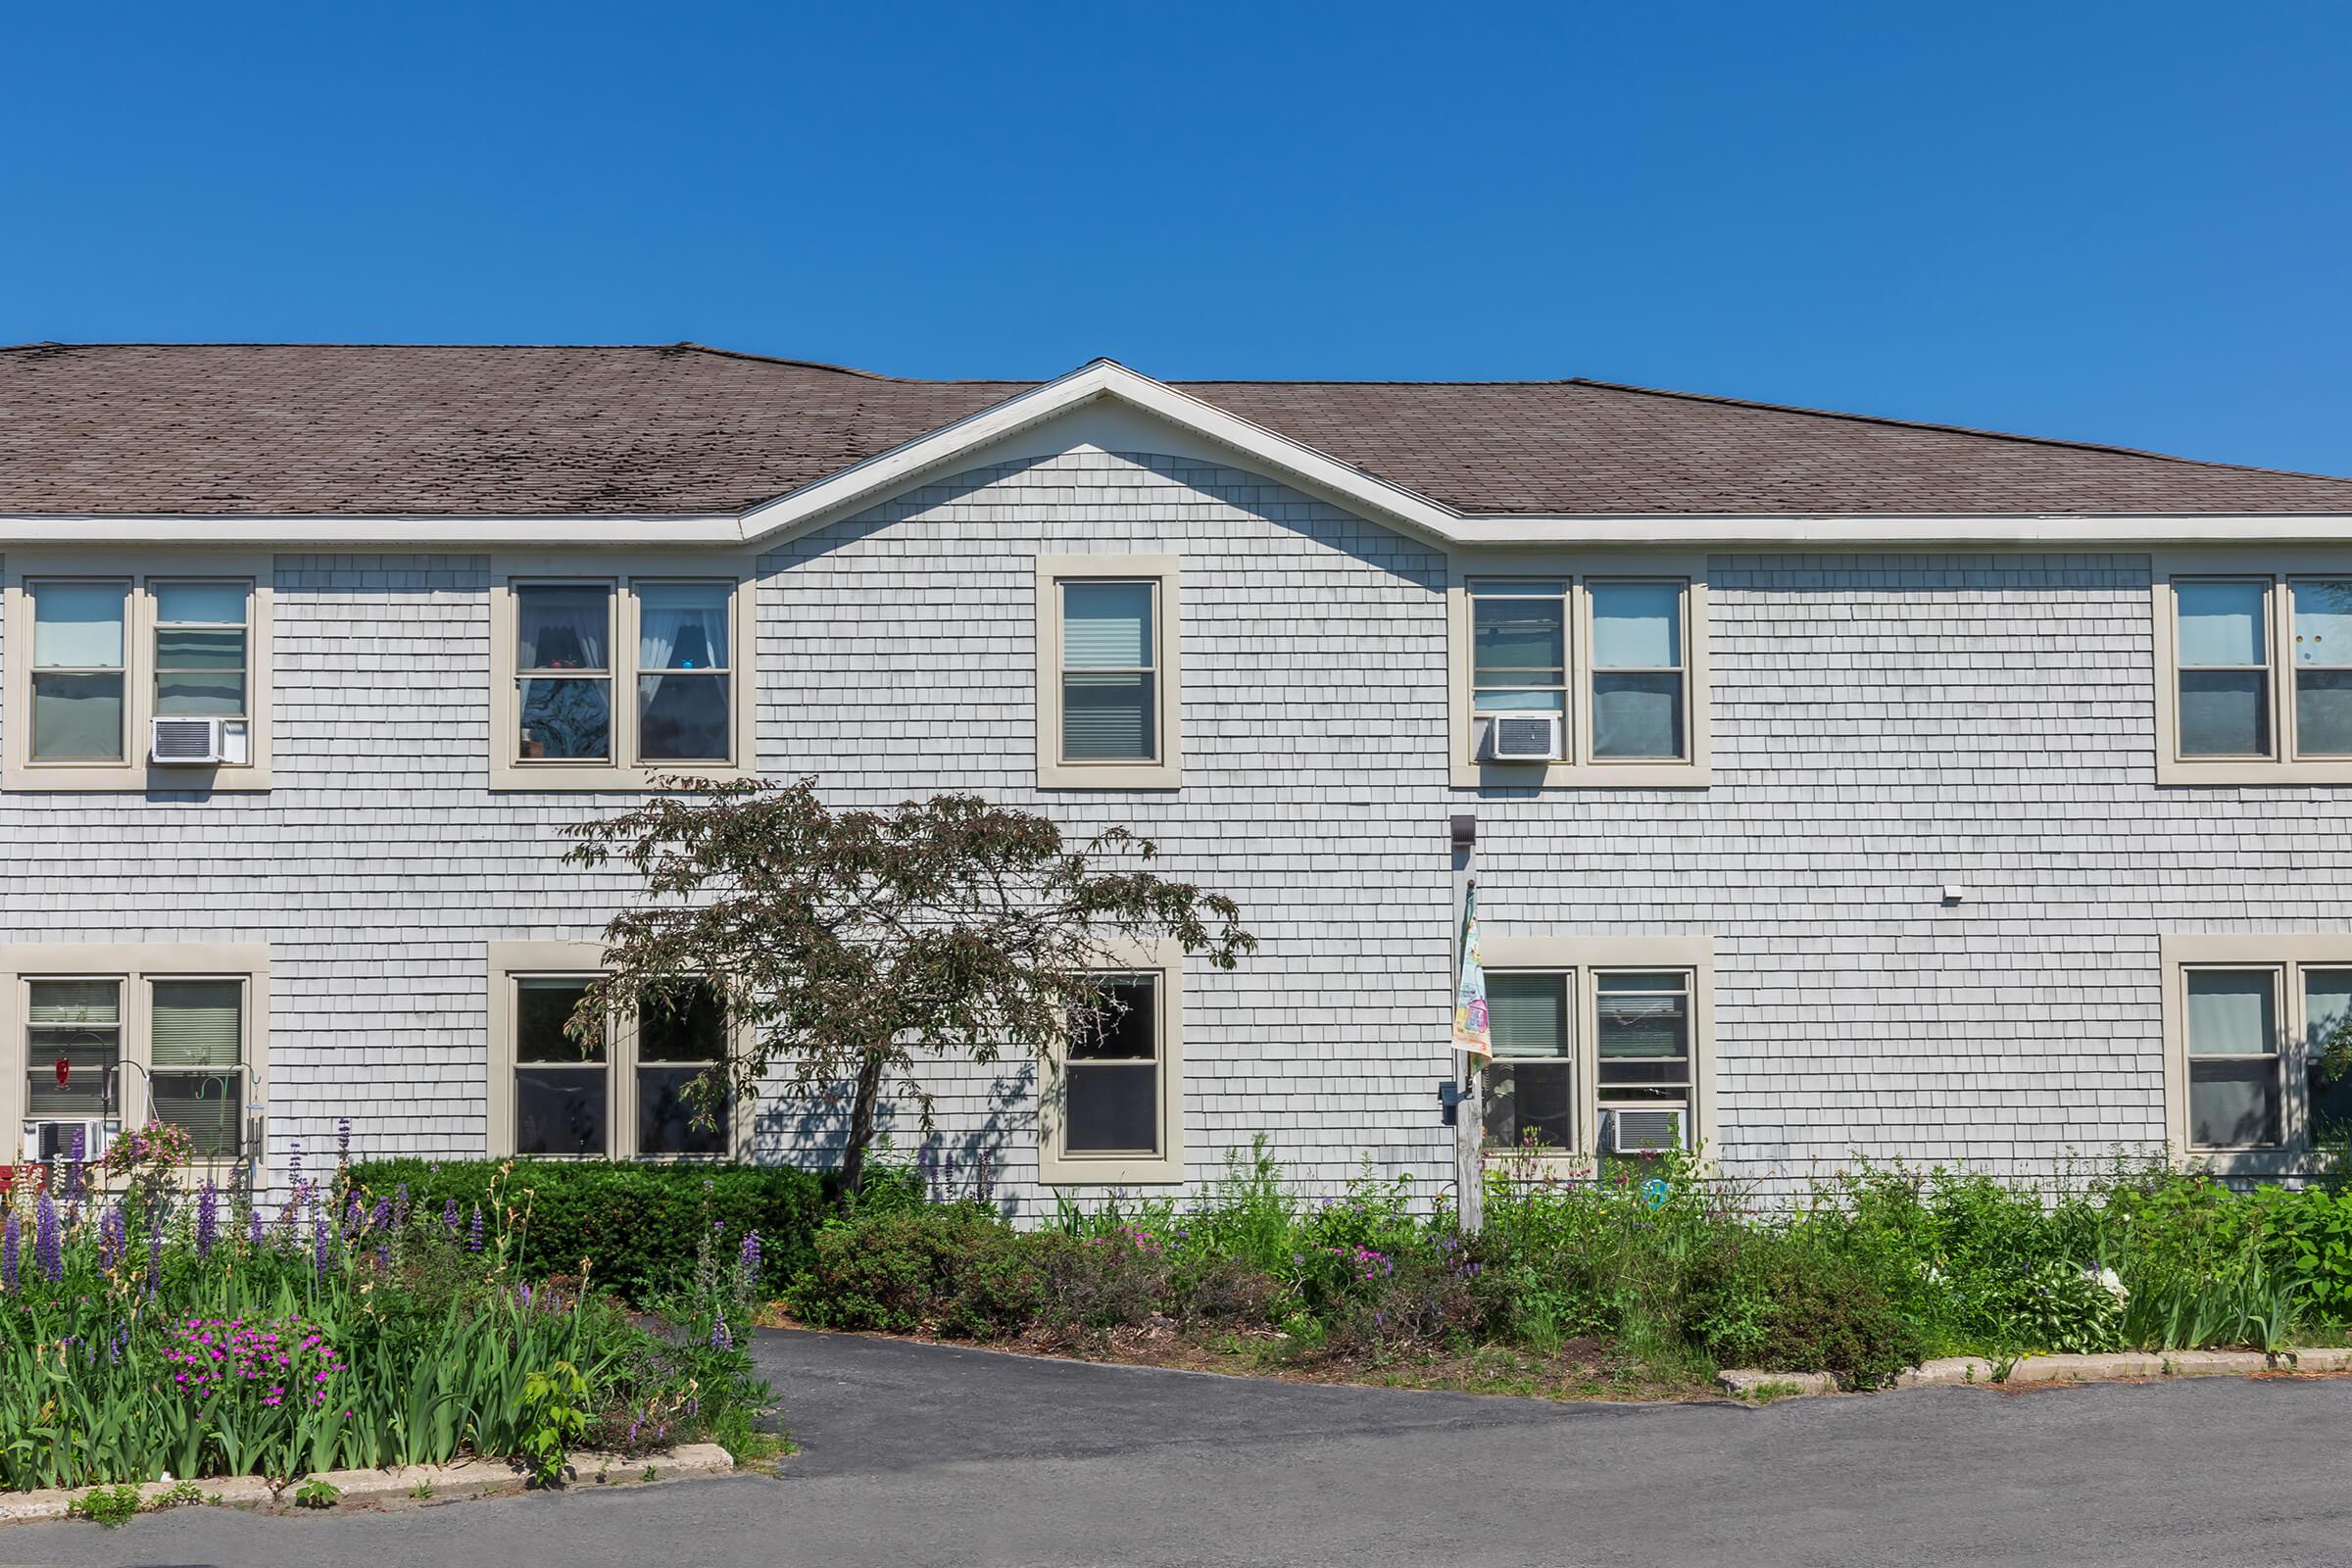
point(952, 448)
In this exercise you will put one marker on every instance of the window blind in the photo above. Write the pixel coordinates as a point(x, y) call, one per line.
point(1528, 1014)
point(197, 1023)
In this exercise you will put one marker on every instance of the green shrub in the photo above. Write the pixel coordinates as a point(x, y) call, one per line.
point(1782, 1301)
point(639, 1228)
point(956, 1269)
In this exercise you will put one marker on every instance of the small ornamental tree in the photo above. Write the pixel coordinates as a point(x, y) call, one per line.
point(846, 944)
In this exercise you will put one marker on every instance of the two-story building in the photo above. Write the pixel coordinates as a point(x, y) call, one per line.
point(1841, 785)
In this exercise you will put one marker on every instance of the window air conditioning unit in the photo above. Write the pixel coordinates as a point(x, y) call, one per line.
point(45, 1141)
point(198, 741)
point(1648, 1129)
point(1524, 737)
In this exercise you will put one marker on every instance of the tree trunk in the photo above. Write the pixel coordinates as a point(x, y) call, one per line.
point(861, 1122)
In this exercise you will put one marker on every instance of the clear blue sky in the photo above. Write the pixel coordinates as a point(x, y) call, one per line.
point(2116, 222)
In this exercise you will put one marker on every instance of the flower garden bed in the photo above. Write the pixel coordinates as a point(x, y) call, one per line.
point(149, 1331)
point(1639, 1283)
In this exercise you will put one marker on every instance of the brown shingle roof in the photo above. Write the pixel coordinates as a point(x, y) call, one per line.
point(298, 428)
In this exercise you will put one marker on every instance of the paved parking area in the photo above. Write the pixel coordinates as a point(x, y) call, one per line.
point(915, 1454)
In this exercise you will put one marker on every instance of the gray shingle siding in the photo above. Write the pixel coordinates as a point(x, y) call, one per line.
point(1882, 724)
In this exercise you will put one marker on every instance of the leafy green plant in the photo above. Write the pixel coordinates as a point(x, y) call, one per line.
point(318, 1493)
point(555, 1412)
point(107, 1508)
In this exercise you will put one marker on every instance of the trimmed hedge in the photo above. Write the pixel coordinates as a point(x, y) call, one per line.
point(638, 1225)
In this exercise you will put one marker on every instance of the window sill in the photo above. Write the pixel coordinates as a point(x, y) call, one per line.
point(555, 778)
point(1108, 1170)
point(1549, 1166)
point(136, 779)
point(1169, 775)
point(1482, 774)
point(2246, 771)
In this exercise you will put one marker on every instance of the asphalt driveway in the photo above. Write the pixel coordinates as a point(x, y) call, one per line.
point(918, 1455)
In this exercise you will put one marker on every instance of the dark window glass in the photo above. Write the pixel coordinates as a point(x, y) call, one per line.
point(1113, 1074)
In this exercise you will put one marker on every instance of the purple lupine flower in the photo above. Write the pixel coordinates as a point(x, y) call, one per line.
point(208, 1221)
point(747, 1260)
point(155, 1260)
point(474, 1235)
point(343, 1138)
point(449, 1219)
point(400, 1205)
point(11, 1238)
point(78, 1151)
point(112, 1240)
point(253, 1228)
point(355, 1217)
point(380, 1216)
point(318, 1245)
point(383, 1257)
point(48, 1241)
point(722, 1336)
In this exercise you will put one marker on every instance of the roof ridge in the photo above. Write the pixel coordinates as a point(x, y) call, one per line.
point(1978, 431)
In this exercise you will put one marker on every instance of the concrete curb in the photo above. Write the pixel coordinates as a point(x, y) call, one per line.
point(471, 1477)
point(1961, 1370)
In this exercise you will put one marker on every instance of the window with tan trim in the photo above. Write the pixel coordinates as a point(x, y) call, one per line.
point(1110, 1108)
point(2254, 668)
point(1109, 686)
point(607, 679)
point(1578, 670)
point(1601, 1045)
point(2247, 1019)
point(624, 1096)
point(106, 1036)
point(102, 647)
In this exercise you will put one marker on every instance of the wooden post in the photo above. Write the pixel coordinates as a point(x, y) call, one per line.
point(1469, 1183)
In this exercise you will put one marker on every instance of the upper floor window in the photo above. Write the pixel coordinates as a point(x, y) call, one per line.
point(1579, 679)
point(137, 681)
point(2256, 676)
point(609, 682)
point(1108, 698)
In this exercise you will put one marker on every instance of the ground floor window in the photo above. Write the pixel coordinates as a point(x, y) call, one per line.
point(2260, 1036)
point(1596, 1058)
point(1111, 1108)
point(633, 1089)
point(117, 1036)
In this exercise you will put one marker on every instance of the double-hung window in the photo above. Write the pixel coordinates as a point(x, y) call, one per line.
point(2254, 1065)
point(115, 1036)
point(138, 681)
point(2254, 672)
point(1108, 692)
point(649, 1085)
point(611, 681)
point(1111, 1106)
point(1580, 678)
point(1599, 1045)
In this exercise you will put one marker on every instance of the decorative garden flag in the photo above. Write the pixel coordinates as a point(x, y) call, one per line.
point(1470, 1031)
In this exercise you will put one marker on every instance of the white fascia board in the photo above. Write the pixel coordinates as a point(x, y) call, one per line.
point(333, 533)
point(1910, 530)
point(904, 467)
